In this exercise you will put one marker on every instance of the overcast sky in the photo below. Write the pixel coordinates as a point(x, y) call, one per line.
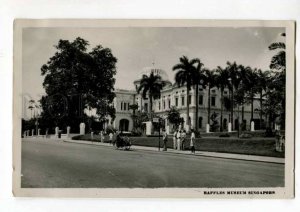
point(136, 48)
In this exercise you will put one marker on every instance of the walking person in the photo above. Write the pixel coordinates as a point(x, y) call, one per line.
point(101, 136)
point(174, 140)
point(183, 136)
point(192, 143)
point(178, 137)
point(111, 135)
point(165, 139)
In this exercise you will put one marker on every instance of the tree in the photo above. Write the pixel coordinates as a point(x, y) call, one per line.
point(262, 80)
point(186, 72)
point(174, 117)
point(75, 79)
point(151, 85)
point(222, 82)
point(278, 63)
point(251, 88)
point(233, 83)
point(133, 107)
point(199, 79)
point(211, 82)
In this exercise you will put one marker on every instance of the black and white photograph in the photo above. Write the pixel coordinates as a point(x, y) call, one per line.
point(154, 108)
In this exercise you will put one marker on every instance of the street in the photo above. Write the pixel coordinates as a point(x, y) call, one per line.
point(53, 164)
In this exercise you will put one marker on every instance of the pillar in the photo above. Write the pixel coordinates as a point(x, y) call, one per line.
point(39, 132)
point(92, 135)
point(56, 132)
point(148, 127)
point(68, 131)
point(229, 127)
point(207, 128)
point(252, 126)
point(32, 132)
point(167, 126)
point(82, 128)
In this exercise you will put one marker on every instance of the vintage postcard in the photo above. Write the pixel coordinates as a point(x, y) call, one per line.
point(154, 108)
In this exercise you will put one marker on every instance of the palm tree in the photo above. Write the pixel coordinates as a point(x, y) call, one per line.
point(186, 72)
point(251, 87)
point(199, 79)
point(234, 81)
point(243, 74)
point(222, 82)
point(211, 82)
point(134, 107)
point(278, 60)
point(151, 85)
point(262, 79)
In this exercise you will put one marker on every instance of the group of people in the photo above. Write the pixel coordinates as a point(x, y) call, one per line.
point(110, 136)
point(180, 139)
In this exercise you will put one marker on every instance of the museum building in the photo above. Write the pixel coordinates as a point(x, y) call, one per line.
point(173, 95)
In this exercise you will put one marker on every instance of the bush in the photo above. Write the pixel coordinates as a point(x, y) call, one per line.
point(269, 132)
point(226, 135)
point(136, 132)
point(110, 129)
point(245, 135)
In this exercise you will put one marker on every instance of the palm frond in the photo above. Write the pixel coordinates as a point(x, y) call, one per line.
point(279, 45)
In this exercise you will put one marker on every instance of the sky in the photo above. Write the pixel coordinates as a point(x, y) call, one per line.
point(136, 48)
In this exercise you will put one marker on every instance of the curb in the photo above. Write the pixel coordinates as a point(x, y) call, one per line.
point(178, 153)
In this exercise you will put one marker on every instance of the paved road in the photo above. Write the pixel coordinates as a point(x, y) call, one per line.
point(51, 164)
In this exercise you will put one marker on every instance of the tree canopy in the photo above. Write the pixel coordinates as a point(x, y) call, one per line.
point(76, 79)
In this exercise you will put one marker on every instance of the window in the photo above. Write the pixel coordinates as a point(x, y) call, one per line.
point(158, 105)
point(124, 106)
point(200, 122)
point(213, 91)
point(182, 101)
point(128, 106)
point(121, 105)
point(190, 99)
point(225, 92)
point(146, 107)
point(164, 104)
point(169, 103)
point(201, 100)
point(213, 101)
point(176, 101)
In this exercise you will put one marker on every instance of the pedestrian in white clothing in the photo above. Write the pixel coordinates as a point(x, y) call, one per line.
point(111, 135)
point(183, 136)
point(178, 137)
point(174, 140)
point(192, 143)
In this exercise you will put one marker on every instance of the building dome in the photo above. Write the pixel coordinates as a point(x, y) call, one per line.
point(157, 71)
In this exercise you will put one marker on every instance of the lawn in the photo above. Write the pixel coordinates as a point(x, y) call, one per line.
point(252, 146)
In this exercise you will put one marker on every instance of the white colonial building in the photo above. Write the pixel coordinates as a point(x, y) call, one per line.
point(172, 95)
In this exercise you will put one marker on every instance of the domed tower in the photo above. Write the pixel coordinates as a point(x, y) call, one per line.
point(156, 71)
point(144, 103)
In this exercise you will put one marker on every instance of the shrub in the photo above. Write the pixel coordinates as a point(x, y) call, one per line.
point(269, 132)
point(136, 132)
point(245, 135)
point(110, 129)
point(226, 135)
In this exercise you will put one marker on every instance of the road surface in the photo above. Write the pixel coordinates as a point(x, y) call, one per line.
point(52, 164)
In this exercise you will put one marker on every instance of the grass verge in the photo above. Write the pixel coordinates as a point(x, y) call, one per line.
point(252, 146)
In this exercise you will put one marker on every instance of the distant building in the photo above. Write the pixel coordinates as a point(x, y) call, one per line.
point(172, 95)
